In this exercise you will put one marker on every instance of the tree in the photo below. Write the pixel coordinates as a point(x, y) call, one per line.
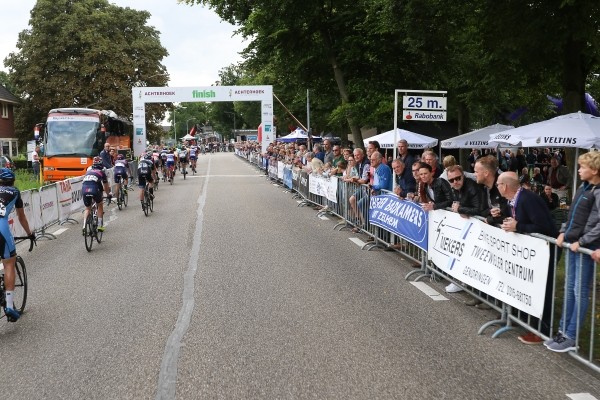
point(85, 53)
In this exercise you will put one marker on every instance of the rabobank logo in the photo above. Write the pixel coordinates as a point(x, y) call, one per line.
point(203, 94)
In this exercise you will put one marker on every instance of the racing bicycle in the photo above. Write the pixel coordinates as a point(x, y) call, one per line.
point(90, 230)
point(122, 196)
point(148, 202)
point(20, 292)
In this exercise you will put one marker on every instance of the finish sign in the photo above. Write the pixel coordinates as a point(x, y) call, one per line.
point(424, 108)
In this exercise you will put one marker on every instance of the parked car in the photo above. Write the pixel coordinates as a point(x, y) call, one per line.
point(6, 162)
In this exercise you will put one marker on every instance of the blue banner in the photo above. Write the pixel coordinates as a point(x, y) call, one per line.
point(287, 177)
point(400, 217)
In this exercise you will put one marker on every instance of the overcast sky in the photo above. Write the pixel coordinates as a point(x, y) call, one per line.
point(198, 42)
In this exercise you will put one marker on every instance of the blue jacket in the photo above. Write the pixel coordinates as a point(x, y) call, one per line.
point(383, 178)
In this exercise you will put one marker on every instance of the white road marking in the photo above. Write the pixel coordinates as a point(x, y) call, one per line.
point(324, 217)
point(429, 291)
point(58, 232)
point(357, 241)
point(581, 396)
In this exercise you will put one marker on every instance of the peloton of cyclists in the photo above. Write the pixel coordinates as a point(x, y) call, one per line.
point(94, 183)
point(146, 174)
point(10, 197)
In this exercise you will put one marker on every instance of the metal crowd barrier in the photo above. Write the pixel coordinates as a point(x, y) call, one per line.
point(352, 207)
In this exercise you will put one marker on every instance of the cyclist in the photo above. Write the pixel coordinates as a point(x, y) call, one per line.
point(95, 182)
point(121, 172)
point(146, 174)
point(183, 159)
point(170, 164)
point(193, 152)
point(163, 164)
point(10, 197)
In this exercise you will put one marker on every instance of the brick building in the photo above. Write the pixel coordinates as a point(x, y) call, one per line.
point(8, 138)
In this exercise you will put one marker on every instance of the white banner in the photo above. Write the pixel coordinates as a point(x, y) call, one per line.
point(280, 166)
point(76, 197)
point(49, 206)
point(321, 186)
point(35, 218)
point(15, 227)
point(508, 266)
point(65, 199)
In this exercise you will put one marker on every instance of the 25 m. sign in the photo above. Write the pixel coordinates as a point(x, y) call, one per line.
point(424, 108)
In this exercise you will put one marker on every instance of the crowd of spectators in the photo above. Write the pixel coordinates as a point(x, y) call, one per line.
point(514, 190)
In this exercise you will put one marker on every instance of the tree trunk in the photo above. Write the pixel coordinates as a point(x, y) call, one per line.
point(574, 74)
point(341, 84)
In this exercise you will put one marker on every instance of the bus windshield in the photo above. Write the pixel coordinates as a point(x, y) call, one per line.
point(72, 137)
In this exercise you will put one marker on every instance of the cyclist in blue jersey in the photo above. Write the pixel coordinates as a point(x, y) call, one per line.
point(10, 198)
point(170, 164)
point(121, 172)
point(192, 155)
point(94, 183)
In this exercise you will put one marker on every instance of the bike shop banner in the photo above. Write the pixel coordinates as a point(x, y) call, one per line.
point(402, 218)
point(322, 186)
point(508, 266)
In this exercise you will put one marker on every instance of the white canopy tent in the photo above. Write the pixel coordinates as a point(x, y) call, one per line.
point(389, 139)
point(575, 130)
point(298, 134)
point(477, 139)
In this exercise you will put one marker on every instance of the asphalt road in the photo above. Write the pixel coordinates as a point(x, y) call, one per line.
point(230, 291)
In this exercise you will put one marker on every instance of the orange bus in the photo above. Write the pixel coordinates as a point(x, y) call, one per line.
point(74, 136)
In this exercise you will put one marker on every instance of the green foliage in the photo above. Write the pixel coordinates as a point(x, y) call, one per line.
point(84, 53)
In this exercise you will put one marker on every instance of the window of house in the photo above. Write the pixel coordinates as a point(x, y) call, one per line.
point(15, 148)
point(4, 110)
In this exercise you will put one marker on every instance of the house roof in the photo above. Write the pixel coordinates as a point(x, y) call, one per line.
point(7, 96)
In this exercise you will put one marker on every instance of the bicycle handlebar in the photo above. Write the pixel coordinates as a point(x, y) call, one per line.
point(32, 240)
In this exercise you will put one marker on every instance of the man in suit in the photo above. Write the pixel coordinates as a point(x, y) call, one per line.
point(527, 213)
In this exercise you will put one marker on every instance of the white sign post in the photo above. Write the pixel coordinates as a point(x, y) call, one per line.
point(143, 95)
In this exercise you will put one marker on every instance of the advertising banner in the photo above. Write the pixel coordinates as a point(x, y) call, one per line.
point(76, 196)
point(508, 266)
point(35, 218)
point(322, 186)
point(280, 167)
point(403, 218)
point(287, 176)
point(65, 199)
point(15, 227)
point(49, 207)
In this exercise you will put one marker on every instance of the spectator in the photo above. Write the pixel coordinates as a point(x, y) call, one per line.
point(431, 158)
point(582, 229)
point(528, 215)
point(363, 166)
point(328, 152)
point(559, 178)
point(473, 156)
point(524, 174)
point(382, 175)
point(373, 147)
point(550, 198)
point(351, 170)
point(405, 182)
point(113, 156)
point(318, 152)
point(466, 194)
point(492, 204)
point(450, 161)
point(35, 163)
point(313, 164)
point(531, 159)
point(438, 193)
point(337, 158)
point(521, 160)
point(106, 158)
point(403, 154)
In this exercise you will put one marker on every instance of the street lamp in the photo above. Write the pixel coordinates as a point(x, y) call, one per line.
point(187, 128)
point(174, 122)
point(233, 113)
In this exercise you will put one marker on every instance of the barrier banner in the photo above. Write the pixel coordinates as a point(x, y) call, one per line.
point(295, 178)
point(287, 176)
point(13, 221)
point(508, 266)
point(49, 206)
point(76, 196)
point(321, 186)
point(280, 167)
point(64, 199)
point(303, 184)
point(35, 219)
point(400, 217)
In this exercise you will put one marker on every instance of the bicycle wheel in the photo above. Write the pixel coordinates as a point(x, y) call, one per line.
point(89, 232)
point(125, 197)
point(146, 202)
point(97, 233)
point(151, 203)
point(184, 174)
point(120, 198)
point(20, 293)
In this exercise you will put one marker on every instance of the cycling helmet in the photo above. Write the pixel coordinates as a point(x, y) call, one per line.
point(97, 162)
point(148, 156)
point(7, 174)
point(120, 157)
